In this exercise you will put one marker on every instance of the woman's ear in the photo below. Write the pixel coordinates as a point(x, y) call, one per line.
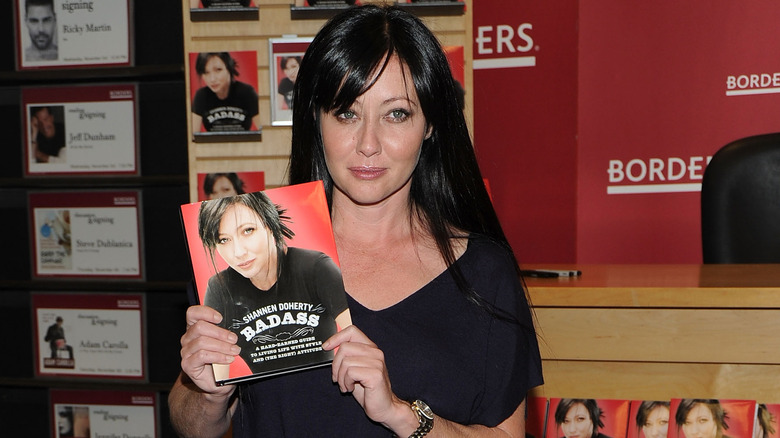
point(429, 132)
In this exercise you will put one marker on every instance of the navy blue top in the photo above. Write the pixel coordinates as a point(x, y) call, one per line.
point(469, 366)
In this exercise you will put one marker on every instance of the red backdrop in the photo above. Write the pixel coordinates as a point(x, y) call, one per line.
point(595, 153)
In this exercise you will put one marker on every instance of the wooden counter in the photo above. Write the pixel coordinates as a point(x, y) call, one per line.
point(660, 331)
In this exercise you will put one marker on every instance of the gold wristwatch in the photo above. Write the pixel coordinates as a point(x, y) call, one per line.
point(424, 416)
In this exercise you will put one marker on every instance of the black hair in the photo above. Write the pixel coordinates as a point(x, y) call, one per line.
point(594, 412)
point(718, 414)
point(283, 61)
point(28, 3)
point(271, 215)
point(644, 411)
point(447, 192)
point(211, 178)
point(203, 58)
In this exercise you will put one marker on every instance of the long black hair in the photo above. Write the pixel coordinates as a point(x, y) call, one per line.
point(447, 190)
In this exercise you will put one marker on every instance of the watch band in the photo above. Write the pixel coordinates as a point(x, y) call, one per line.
point(424, 416)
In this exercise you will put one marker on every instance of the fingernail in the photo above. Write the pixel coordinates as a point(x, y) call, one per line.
point(232, 337)
point(235, 349)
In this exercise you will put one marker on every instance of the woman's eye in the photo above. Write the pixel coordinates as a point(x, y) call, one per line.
point(249, 230)
point(346, 115)
point(222, 240)
point(399, 114)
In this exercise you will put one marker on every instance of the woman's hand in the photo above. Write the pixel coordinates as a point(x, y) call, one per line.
point(359, 367)
point(203, 344)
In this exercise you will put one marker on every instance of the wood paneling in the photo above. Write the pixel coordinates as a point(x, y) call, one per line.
point(660, 332)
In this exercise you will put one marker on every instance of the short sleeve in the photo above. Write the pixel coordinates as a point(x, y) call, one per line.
point(512, 359)
point(330, 284)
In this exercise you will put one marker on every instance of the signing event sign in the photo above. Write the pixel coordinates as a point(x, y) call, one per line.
point(89, 335)
point(86, 234)
point(80, 130)
point(72, 33)
point(103, 413)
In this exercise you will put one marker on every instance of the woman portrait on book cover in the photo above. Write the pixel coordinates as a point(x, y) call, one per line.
point(701, 418)
point(223, 103)
point(280, 301)
point(579, 418)
point(652, 418)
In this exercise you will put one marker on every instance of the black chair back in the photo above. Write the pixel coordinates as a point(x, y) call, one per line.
point(740, 202)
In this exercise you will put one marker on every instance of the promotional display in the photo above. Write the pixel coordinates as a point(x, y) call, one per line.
point(86, 234)
point(587, 417)
point(219, 184)
point(89, 335)
point(711, 418)
point(536, 417)
point(267, 262)
point(71, 33)
point(110, 414)
point(648, 419)
point(285, 57)
point(80, 130)
point(223, 89)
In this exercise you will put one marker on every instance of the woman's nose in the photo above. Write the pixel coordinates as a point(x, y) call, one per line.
point(368, 143)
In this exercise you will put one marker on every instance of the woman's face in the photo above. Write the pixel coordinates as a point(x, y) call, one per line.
point(657, 422)
point(246, 244)
point(372, 149)
point(700, 423)
point(222, 188)
point(217, 77)
point(291, 69)
point(577, 423)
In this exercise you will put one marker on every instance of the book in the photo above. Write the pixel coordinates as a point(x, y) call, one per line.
point(648, 419)
point(602, 418)
point(692, 418)
point(535, 417)
point(267, 262)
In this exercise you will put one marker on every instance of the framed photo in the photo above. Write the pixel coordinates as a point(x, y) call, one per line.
point(68, 34)
point(220, 184)
point(81, 234)
point(89, 335)
point(80, 130)
point(84, 413)
point(223, 93)
point(285, 58)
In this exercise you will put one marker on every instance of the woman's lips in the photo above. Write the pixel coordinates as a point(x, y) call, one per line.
point(246, 264)
point(364, 172)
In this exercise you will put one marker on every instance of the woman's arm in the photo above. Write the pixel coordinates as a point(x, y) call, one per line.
point(197, 123)
point(359, 368)
point(198, 407)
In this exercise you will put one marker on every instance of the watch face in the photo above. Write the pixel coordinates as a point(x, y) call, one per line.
point(424, 409)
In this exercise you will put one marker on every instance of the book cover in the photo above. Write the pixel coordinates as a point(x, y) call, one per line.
point(648, 419)
point(711, 418)
point(535, 417)
point(766, 424)
point(267, 262)
point(574, 417)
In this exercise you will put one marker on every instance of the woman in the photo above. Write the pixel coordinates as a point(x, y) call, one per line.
point(220, 185)
point(652, 418)
point(579, 418)
point(290, 65)
point(701, 418)
point(224, 104)
point(248, 232)
point(443, 341)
